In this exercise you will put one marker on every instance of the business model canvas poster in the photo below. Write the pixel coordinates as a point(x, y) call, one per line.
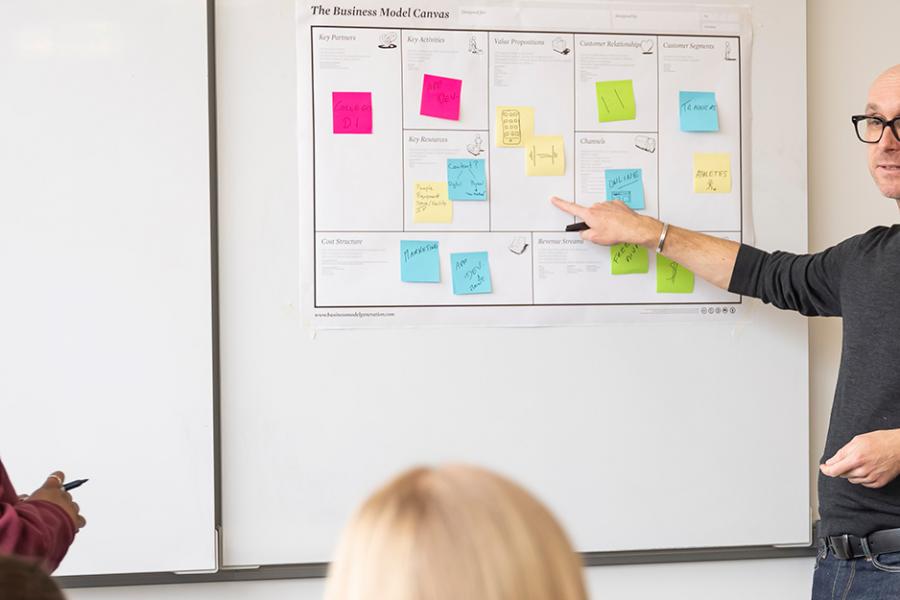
point(431, 137)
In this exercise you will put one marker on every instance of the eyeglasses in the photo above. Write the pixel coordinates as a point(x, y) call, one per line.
point(870, 129)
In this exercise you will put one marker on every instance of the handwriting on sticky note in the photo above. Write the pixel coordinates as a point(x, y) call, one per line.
point(698, 111)
point(626, 185)
point(465, 179)
point(471, 273)
point(615, 101)
point(628, 258)
point(544, 155)
point(420, 261)
point(431, 204)
point(712, 172)
point(441, 97)
point(351, 112)
point(514, 126)
point(672, 278)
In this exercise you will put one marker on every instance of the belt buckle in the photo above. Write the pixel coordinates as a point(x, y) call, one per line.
point(840, 545)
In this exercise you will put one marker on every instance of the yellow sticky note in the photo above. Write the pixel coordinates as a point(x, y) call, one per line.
point(515, 126)
point(712, 173)
point(544, 155)
point(431, 203)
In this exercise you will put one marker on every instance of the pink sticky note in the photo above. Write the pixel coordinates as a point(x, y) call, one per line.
point(440, 97)
point(352, 112)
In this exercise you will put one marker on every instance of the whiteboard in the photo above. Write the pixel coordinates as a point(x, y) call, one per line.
point(105, 259)
point(697, 438)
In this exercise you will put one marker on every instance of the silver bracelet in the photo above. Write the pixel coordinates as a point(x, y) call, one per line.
point(662, 238)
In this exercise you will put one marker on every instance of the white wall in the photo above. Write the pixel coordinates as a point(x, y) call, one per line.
point(845, 51)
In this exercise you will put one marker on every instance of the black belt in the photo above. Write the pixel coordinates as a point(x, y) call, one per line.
point(846, 546)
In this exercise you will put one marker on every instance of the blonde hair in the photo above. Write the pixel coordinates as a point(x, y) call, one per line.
point(454, 533)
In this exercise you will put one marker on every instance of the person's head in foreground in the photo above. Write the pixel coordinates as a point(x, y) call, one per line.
point(21, 580)
point(879, 127)
point(457, 533)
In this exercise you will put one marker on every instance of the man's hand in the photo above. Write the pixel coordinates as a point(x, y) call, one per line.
point(613, 223)
point(52, 491)
point(709, 257)
point(870, 459)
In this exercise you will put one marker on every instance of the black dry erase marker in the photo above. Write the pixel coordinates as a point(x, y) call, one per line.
point(74, 484)
point(577, 227)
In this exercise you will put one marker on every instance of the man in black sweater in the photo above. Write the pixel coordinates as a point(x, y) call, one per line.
point(859, 280)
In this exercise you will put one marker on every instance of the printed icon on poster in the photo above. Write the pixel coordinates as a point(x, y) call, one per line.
point(475, 148)
point(728, 55)
point(645, 143)
point(560, 46)
point(518, 245)
point(388, 40)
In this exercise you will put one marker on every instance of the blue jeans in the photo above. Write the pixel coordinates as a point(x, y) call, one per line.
point(855, 579)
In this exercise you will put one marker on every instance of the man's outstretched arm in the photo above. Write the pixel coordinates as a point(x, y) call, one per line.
point(610, 223)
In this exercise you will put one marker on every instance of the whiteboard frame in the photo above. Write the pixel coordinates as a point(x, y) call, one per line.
point(242, 423)
point(61, 41)
point(299, 571)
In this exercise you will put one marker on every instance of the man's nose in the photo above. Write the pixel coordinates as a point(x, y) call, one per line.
point(889, 141)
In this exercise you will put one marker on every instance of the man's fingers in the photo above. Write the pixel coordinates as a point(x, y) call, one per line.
point(570, 207)
point(55, 479)
point(858, 473)
point(838, 468)
point(863, 479)
point(832, 470)
point(837, 456)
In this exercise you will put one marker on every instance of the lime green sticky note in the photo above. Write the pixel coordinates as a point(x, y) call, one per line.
point(672, 278)
point(628, 258)
point(615, 101)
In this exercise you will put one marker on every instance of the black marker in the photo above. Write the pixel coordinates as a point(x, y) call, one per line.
point(577, 227)
point(74, 484)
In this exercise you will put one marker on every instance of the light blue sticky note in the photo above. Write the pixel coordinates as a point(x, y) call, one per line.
point(465, 179)
point(698, 111)
point(420, 261)
point(471, 273)
point(626, 185)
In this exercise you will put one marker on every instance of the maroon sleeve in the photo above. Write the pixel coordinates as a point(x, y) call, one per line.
point(34, 529)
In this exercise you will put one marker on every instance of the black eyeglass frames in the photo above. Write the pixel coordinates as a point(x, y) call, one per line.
point(870, 129)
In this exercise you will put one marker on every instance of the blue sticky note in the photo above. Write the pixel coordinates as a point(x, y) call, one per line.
point(698, 111)
point(465, 179)
point(471, 273)
point(626, 185)
point(420, 261)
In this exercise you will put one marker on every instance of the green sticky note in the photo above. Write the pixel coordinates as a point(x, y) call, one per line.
point(615, 101)
point(628, 258)
point(672, 278)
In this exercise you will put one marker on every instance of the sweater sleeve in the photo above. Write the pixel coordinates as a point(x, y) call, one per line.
point(807, 283)
point(33, 529)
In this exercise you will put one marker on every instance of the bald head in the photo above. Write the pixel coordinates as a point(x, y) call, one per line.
point(886, 83)
point(884, 157)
